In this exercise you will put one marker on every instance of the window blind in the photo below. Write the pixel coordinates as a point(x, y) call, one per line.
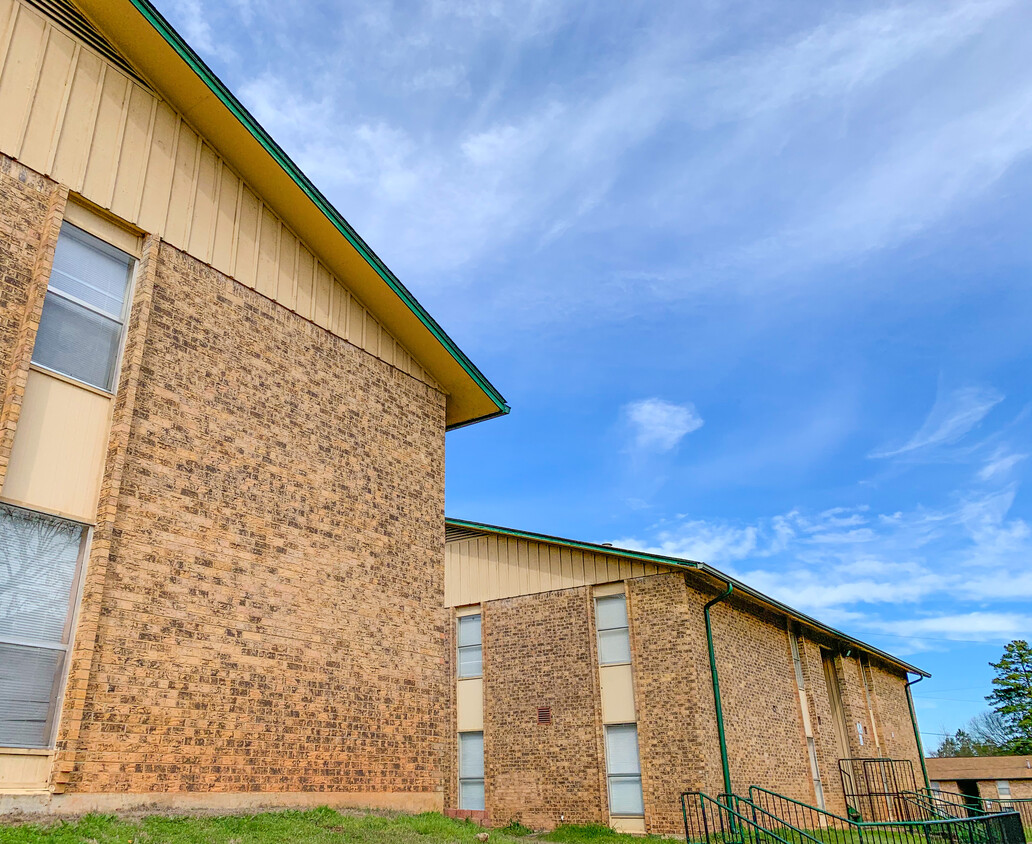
point(39, 560)
point(80, 330)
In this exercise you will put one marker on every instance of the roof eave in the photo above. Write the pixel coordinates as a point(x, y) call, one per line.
point(153, 46)
point(704, 568)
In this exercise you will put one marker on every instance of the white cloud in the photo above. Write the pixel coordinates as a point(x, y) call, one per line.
point(836, 562)
point(982, 626)
point(455, 147)
point(658, 425)
point(952, 416)
point(999, 464)
point(700, 541)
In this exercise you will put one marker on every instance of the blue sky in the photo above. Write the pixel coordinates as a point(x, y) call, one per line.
point(754, 277)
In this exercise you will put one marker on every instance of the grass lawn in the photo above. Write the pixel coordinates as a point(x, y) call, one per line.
point(316, 826)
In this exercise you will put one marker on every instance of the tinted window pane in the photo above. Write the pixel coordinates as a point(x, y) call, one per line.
point(38, 555)
point(614, 646)
point(471, 662)
point(77, 342)
point(610, 612)
point(625, 796)
point(471, 755)
point(90, 270)
point(469, 630)
point(27, 683)
point(622, 749)
point(471, 795)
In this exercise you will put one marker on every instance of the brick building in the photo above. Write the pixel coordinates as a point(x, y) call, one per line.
point(995, 778)
point(584, 686)
point(222, 425)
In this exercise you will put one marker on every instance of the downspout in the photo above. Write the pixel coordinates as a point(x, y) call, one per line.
point(917, 732)
point(716, 687)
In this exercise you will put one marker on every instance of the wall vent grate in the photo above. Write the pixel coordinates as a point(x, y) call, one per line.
point(544, 714)
point(65, 15)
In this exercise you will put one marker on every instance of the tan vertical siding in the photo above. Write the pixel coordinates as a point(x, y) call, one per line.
point(70, 114)
point(58, 456)
point(491, 566)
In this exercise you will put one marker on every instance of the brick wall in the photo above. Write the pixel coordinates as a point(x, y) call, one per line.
point(538, 651)
point(895, 729)
point(676, 739)
point(271, 616)
point(763, 724)
point(30, 207)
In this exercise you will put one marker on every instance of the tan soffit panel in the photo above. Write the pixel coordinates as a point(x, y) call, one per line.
point(469, 705)
point(489, 567)
point(76, 117)
point(616, 685)
point(57, 460)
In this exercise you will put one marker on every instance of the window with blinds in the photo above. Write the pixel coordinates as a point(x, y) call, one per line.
point(40, 559)
point(471, 652)
point(80, 332)
point(614, 641)
point(471, 771)
point(623, 769)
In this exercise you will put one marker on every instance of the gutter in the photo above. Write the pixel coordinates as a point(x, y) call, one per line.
point(725, 767)
point(917, 732)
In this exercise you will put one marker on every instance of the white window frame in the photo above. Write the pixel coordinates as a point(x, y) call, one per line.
point(123, 318)
point(599, 630)
point(612, 775)
point(459, 648)
point(68, 634)
point(471, 780)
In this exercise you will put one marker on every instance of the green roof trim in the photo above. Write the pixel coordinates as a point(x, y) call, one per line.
point(219, 89)
point(704, 568)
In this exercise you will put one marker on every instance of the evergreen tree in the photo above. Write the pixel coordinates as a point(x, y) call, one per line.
point(1012, 694)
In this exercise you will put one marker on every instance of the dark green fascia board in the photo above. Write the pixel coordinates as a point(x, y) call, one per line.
point(716, 574)
point(219, 89)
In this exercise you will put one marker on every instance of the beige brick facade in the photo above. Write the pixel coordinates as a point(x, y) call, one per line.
point(263, 604)
point(277, 559)
point(538, 653)
point(30, 213)
point(539, 650)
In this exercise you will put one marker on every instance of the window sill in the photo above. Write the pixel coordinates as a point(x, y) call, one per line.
point(25, 751)
point(82, 385)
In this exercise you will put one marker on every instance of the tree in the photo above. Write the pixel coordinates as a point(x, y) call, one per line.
point(990, 730)
point(1012, 695)
point(958, 744)
point(975, 740)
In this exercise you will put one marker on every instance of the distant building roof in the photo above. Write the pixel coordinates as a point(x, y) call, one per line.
point(980, 768)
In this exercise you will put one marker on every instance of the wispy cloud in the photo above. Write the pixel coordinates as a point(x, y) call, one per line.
point(987, 626)
point(954, 414)
point(437, 134)
point(999, 464)
point(850, 564)
point(658, 425)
